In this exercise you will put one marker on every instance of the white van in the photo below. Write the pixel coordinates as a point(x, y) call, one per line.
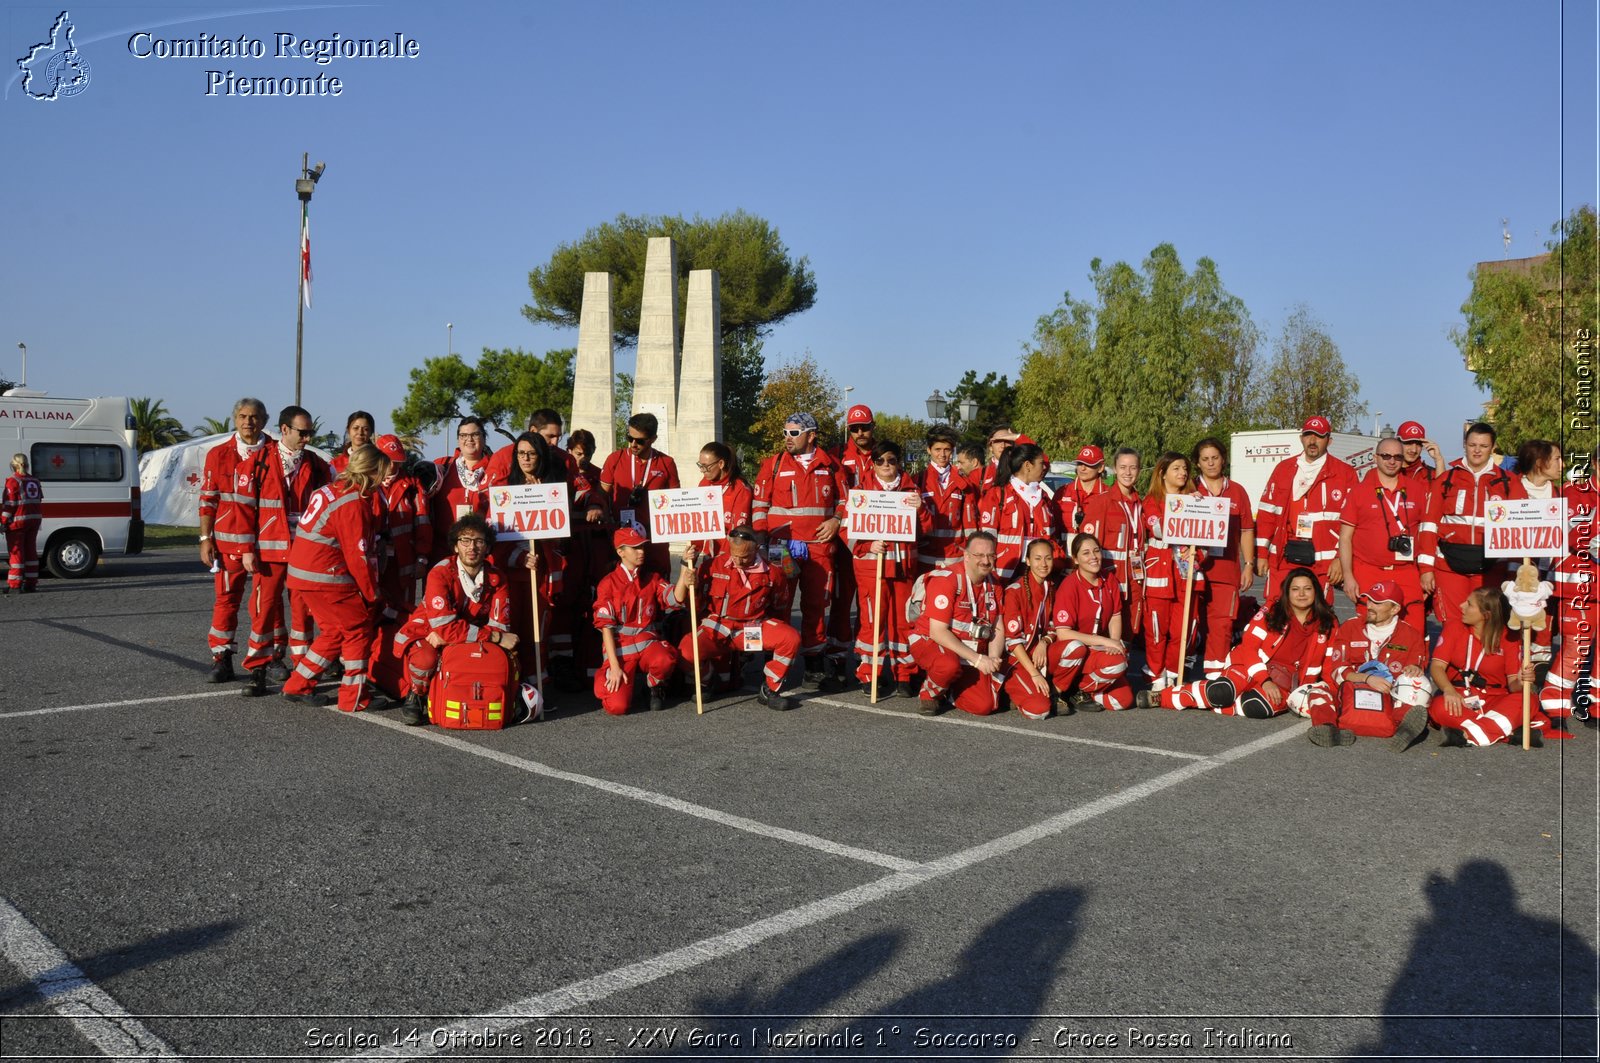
point(84, 452)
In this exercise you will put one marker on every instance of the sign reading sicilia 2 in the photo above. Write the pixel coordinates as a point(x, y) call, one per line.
point(1194, 520)
point(686, 513)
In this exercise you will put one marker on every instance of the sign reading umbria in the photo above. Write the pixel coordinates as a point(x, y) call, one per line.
point(530, 511)
point(887, 515)
point(1190, 520)
point(684, 513)
point(1525, 527)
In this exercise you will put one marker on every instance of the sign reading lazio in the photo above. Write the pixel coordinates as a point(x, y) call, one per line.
point(1192, 520)
point(530, 511)
point(887, 515)
point(684, 513)
point(1525, 527)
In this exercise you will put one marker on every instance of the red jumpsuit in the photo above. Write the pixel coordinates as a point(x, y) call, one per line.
point(628, 602)
point(1072, 507)
point(791, 502)
point(856, 467)
point(971, 611)
point(1293, 659)
point(1016, 521)
point(1455, 521)
point(625, 474)
point(1287, 524)
point(951, 508)
point(737, 501)
point(1221, 568)
point(21, 510)
point(1089, 608)
point(1164, 583)
point(451, 612)
point(736, 599)
point(1377, 515)
point(407, 543)
point(1577, 608)
point(244, 497)
point(461, 488)
point(1115, 517)
point(1026, 609)
point(331, 567)
point(310, 474)
point(899, 575)
point(1352, 647)
point(1492, 713)
point(555, 630)
point(589, 557)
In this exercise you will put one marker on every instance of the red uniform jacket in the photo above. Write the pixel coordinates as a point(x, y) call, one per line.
point(446, 609)
point(1421, 472)
point(407, 529)
point(1259, 647)
point(1455, 507)
point(22, 506)
point(1089, 610)
point(311, 474)
point(1072, 504)
point(791, 501)
point(623, 472)
point(1283, 518)
point(1116, 519)
point(1352, 648)
point(1583, 505)
point(1222, 566)
point(244, 497)
point(1027, 609)
point(1577, 593)
point(628, 603)
point(738, 596)
point(900, 559)
point(1015, 524)
point(950, 597)
point(1377, 515)
point(451, 494)
point(1162, 578)
point(1460, 650)
point(951, 512)
point(856, 463)
point(334, 545)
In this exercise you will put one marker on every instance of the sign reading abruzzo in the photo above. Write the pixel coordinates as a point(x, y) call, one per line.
point(1525, 527)
point(685, 513)
point(1191, 520)
point(530, 511)
point(887, 515)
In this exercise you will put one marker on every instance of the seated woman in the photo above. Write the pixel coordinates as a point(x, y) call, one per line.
point(1278, 664)
point(1480, 674)
point(1090, 662)
point(1025, 614)
point(1377, 672)
point(466, 600)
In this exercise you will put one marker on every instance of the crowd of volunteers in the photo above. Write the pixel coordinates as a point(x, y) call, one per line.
point(1049, 601)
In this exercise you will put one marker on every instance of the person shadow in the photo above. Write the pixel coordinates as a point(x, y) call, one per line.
point(1485, 979)
point(1006, 973)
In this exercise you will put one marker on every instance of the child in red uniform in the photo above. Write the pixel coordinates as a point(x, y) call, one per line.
point(626, 605)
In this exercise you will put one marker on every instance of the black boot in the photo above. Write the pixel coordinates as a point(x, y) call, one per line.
point(774, 700)
point(256, 685)
point(658, 697)
point(221, 668)
point(815, 672)
point(414, 713)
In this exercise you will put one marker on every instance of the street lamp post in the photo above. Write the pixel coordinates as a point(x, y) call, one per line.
point(23, 347)
point(303, 186)
point(936, 406)
point(449, 339)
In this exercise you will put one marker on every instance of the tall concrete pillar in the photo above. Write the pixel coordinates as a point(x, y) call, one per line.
point(700, 380)
point(594, 375)
point(655, 378)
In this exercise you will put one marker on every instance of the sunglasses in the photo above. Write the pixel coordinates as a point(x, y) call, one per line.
point(887, 461)
point(742, 536)
point(793, 432)
point(861, 427)
point(297, 431)
point(639, 440)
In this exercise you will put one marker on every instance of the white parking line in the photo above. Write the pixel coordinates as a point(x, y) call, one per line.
point(59, 982)
point(750, 826)
point(231, 688)
point(966, 719)
point(589, 990)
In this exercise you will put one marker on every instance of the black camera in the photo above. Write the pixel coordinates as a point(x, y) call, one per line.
point(1471, 678)
point(1400, 545)
point(636, 497)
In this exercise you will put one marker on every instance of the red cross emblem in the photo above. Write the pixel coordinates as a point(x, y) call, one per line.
point(58, 461)
point(193, 478)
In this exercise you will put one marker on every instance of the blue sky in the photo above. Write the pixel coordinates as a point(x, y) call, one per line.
point(949, 170)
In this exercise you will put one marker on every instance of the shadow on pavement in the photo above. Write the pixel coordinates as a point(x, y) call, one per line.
point(106, 965)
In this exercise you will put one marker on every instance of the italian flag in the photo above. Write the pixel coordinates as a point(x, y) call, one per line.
point(305, 254)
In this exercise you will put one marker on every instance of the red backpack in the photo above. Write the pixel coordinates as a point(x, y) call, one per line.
point(475, 688)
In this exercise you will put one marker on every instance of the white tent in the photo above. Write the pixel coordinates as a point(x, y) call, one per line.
point(169, 480)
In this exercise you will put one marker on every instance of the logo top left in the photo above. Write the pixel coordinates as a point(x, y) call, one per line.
point(55, 69)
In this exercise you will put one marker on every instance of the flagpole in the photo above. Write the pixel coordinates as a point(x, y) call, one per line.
point(303, 186)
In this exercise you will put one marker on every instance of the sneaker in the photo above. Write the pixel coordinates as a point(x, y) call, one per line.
point(658, 698)
point(221, 668)
point(1082, 702)
point(928, 706)
point(313, 698)
point(277, 670)
point(1410, 729)
point(772, 699)
point(256, 685)
point(414, 713)
point(1143, 700)
point(1324, 734)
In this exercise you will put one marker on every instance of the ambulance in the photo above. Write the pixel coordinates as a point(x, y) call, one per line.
point(84, 452)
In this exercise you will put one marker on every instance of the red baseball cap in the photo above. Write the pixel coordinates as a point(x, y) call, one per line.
point(1091, 455)
point(1317, 426)
point(1023, 440)
point(858, 415)
point(628, 535)
point(1383, 590)
point(391, 448)
point(1412, 432)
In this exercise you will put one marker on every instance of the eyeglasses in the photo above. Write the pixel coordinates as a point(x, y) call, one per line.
point(469, 435)
point(793, 432)
point(527, 453)
point(1391, 457)
point(472, 540)
point(704, 465)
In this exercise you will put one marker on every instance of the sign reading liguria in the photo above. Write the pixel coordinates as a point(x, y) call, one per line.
point(887, 515)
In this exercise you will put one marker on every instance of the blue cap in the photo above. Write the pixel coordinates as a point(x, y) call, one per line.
point(803, 421)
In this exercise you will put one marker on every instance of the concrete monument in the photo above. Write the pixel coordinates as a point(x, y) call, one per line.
point(699, 413)
point(594, 376)
point(655, 377)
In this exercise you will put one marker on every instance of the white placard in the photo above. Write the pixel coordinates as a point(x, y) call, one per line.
point(530, 511)
point(887, 515)
point(1193, 520)
point(683, 514)
point(1525, 527)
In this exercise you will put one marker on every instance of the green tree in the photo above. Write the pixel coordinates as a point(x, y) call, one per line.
point(503, 389)
point(1530, 332)
point(1161, 357)
point(622, 403)
point(154, 426)
point(1307, 377)
point(798, 387)
point(744, 373)
point(996, 398)
point(6, 385)
point(212, 426)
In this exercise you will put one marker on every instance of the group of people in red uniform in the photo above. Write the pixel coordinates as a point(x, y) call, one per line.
point(1012, 593)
